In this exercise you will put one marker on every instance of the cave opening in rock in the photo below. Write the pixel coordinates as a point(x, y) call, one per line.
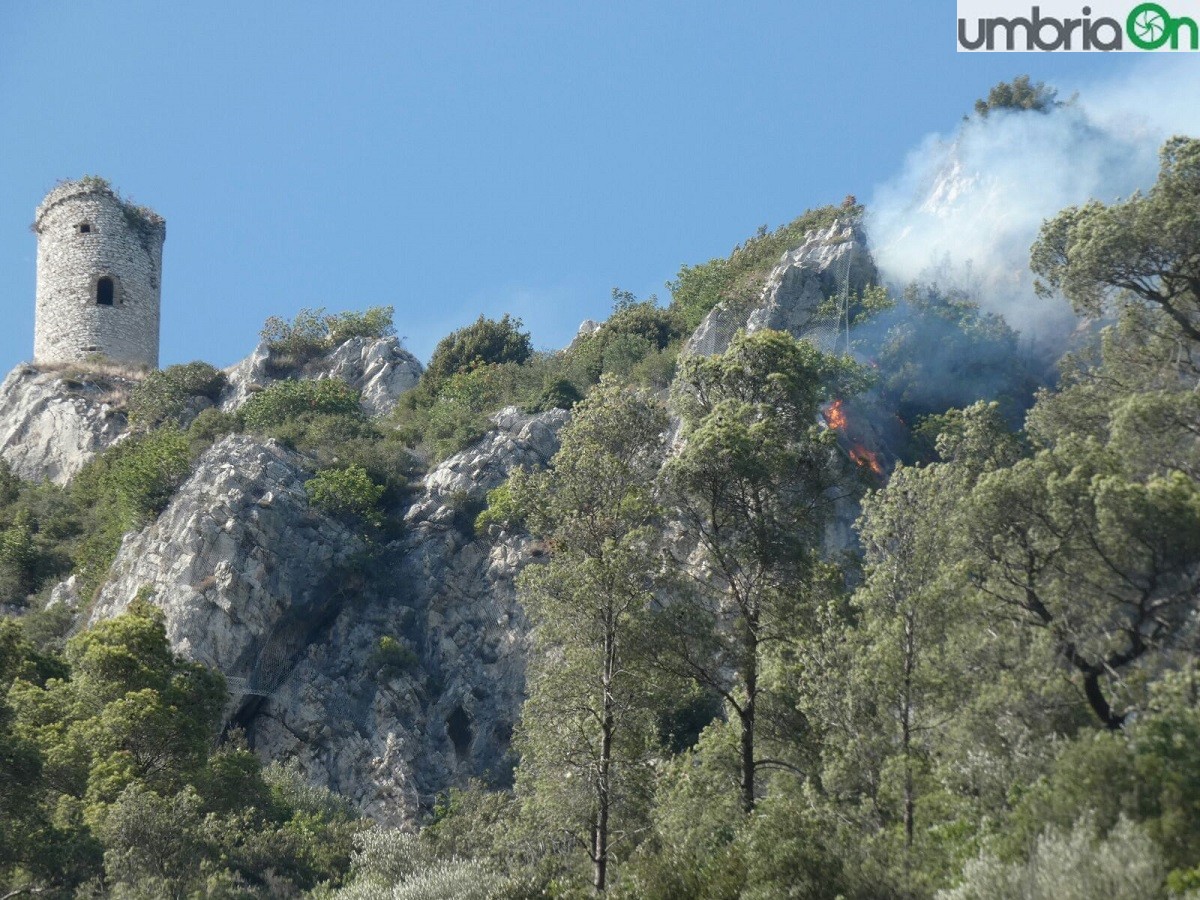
point(458, 729)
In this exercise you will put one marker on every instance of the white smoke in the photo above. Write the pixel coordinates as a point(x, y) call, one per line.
point(967, 207)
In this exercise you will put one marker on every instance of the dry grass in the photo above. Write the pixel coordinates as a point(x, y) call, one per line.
point(93, 370)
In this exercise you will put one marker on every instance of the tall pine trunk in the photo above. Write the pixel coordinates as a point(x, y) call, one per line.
point(604, 765)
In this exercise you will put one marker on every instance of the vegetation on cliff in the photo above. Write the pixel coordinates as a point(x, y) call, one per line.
point(987, 689)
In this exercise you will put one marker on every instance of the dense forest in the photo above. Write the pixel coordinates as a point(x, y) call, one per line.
point(914, 621)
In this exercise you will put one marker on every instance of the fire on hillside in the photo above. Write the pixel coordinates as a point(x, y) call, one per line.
point(837, 418)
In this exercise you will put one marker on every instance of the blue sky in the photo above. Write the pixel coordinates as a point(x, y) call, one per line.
point(453, 159)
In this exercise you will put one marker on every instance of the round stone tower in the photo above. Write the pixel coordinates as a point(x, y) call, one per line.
point(99, 276)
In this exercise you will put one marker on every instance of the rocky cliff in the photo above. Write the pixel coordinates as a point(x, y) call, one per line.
point(378, 367)
point(53, 420)
point(387, 672)
point(793, 298)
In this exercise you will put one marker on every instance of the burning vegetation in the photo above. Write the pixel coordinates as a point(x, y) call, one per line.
point(836, 418)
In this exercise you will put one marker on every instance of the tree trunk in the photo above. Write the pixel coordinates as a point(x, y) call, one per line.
point(1099, 704)
point(910, 801)
point(747, 717)
point(603, 784)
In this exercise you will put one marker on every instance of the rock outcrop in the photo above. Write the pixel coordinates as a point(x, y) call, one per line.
point(386, 675)
point(391, 730)
point(53, 420)
point(238, 561)
point(795, 292)
point(379, 367)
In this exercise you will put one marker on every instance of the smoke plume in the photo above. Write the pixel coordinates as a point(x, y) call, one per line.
point(966, 207)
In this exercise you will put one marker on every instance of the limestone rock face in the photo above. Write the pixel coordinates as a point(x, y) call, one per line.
point(238, 562)
point(285, 601)
point(379, 367)
point(52, 422)
point(794, 292)
point(391, 735)
point(247, 377)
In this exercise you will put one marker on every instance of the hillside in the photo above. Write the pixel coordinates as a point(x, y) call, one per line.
point(804, 585)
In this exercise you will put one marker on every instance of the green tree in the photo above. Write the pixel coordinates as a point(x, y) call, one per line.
point(1145, 250)
point(313, 332)
point(126, 488)
point(906, 654)
point(348, 492)
point(587, 726)
point(485, 342)
point(1019, 94)
point(1094, 559)
point(739, 278)
point(18, 558)
point(1074, 864)
point(285, 401)
point(754, 483)
point(118, 780)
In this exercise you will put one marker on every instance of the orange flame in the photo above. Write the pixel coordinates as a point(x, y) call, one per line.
point(865, 457)
point(835, 416)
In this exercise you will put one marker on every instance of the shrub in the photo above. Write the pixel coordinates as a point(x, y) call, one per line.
point(298, 340)
point(459, 412)
point(286, 401)
point(486, 342)
point(502, 509)
point(1071, 865)
point(347, 493)
point(375, 322)
point(390, 658)
point(559, 394)
point(165, 395)
point(313, 332)
point(125, 488)
point(18, 559)
point(636, 332)
point(1018, 94)
point(456, 879)
point(212, 424)
point(323, 420)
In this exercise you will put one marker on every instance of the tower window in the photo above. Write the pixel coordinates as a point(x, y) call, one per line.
point(85, 227)
point(105, 289)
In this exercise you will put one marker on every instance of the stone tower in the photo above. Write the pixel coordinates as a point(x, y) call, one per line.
point(99, 276)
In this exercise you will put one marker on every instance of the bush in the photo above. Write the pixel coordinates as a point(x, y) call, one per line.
point(375, 322)
point(168, 395)
point(636, 332)
point(347, 493)
point(286, 401)
point(323, 420)
point(487, 342)
point(457, 879)
point(123, 489)
point(391, 658)
point(18, 558)
point(559, 394)
point(1018, 94)
point(502, 509)
point(313, 332)
point(459, 413)
point(212, 424)
point(1071, 865)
